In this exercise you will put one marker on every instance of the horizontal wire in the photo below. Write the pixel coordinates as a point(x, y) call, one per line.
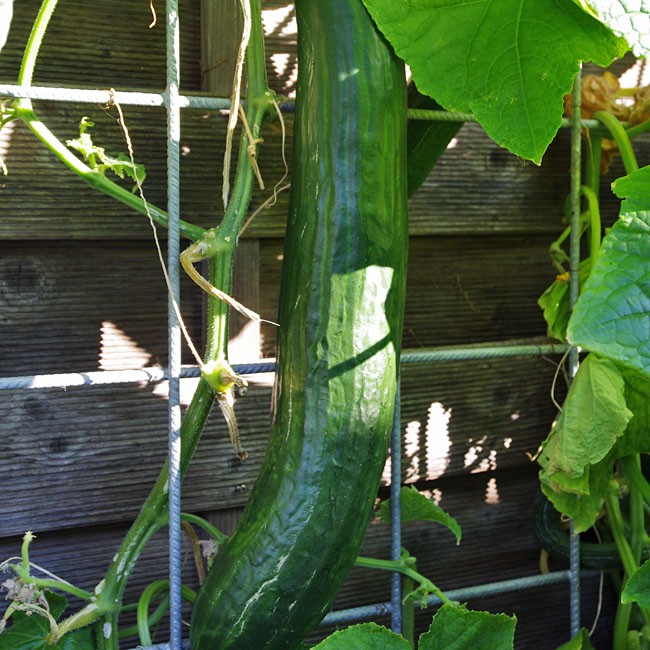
point(151, 375)
point(127, 98)
point(383, 609)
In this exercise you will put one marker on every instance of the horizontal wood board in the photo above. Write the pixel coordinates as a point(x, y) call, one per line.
point(460, 289)
point(72, 306)
point(93, 453)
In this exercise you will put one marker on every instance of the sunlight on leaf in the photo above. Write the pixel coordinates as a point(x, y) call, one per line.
point(631, 20)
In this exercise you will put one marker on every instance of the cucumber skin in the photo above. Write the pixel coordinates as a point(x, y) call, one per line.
point(341, 313)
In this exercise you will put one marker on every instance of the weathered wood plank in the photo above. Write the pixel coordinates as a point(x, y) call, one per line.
point(78, 307)
point(83, 48)
point(459, 289)
point(92, 454)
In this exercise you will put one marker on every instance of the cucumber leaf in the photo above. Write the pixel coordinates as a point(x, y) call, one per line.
point(579, 642)
point(414, 506)
point(365, 636)
point(509, 63)
point(635, 440)
point(6, 13)
point(456, 627)
point(637, 588)
point(633, 24)
point(554, 302)
point(612, 316)
point(594, 415)
point(582, 508)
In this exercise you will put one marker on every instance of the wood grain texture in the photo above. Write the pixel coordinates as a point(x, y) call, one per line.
point(460, 289)
point(92, 454)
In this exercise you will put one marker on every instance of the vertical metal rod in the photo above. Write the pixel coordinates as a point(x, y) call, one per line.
point(173, 210)
point(395, 515)
point(574, 548)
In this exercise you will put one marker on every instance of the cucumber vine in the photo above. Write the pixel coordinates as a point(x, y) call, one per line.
point(609, 472)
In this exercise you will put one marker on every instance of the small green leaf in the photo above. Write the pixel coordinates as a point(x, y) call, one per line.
point(365, 636)
point(510, 63)
point(100, 161)
point(579, 642)
point(612, 316)
point(637, 588)
point(631, 20)
point(594, 415)
point(458, 628)
point(414, 506)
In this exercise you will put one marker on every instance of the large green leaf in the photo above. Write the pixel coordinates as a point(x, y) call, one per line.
point(414, 506)
point(579, 642)
point(637, 588)
point(458, 628)
point(612, 316)
point(627, 18)
point(594, 415)
point(365, 636)
point(510, 62)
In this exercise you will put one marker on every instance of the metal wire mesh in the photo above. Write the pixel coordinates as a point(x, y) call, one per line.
point(174, 101)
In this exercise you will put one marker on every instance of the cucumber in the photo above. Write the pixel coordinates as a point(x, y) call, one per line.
point(340, 314)
point(555, 539)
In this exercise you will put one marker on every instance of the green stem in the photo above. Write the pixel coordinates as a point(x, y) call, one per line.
point(33, 46)
point(48, 583)
point(637, 480)
point(621, 624)
point(402, 567)
point(622, 140)
point(592, 171)
point(151, 518)
point(408, 613)
point(97, 180)
point(158, 614)
point(216, 534)
point(633, 131)
point(143, 606)
point(613, 510)
point(594, 222)
point(25, 112)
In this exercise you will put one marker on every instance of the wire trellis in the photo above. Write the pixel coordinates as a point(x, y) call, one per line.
point(173, 101)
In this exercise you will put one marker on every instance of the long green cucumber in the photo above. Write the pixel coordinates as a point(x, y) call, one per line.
point(340, 315)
